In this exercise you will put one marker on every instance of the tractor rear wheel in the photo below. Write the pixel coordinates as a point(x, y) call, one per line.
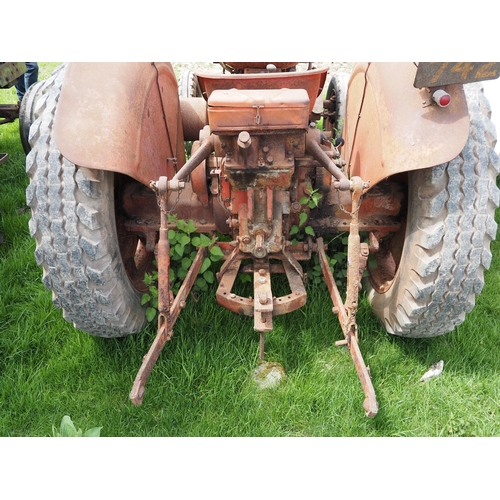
point(84, 255)
point(27, 113)
point(188, 85)
point(428, 274)
point(337, 95)
point(31, 107)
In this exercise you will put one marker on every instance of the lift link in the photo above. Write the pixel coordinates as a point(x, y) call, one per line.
point(168, 307)
point(347, 312)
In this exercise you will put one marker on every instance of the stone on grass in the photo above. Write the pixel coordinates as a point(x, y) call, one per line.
point(268, 374)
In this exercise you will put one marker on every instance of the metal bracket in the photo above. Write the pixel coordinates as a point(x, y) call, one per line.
point(169, 308)
point(347, 312)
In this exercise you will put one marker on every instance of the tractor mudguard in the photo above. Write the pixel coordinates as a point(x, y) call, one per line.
point(123, 117)
point(393, 127)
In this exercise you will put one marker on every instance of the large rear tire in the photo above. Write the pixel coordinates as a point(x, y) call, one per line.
point(74, 225)
point(337, 95)
point(429, 273)
point(27, 113)
point(31, 107)
point(188, 85)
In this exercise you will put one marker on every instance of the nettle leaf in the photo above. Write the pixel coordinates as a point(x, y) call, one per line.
point(304, 200)
point(196, 241)
point(216, 253)
point(181, 225)
point(150, 314)
point(182, 273)
point(314, 200)
point(294, 230)
point(172, 236)
point(171, 274)
point(206, 264)
point(183, 239)
point(309, 230)
point(208, 276)
point(201, 284)
point(245, 278)
point(190, 227)
point(145, 298)
point(339, 257)
point(205, 241)
point(186, 263)
point(148, 279)
point(174, 255)
point(179, 250)
point(302, 218)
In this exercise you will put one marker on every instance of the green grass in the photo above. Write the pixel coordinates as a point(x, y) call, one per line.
point(202, 384)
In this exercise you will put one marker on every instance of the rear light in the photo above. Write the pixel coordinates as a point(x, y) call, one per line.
point(441, 98)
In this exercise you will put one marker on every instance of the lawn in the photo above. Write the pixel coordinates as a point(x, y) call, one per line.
point(202, 384)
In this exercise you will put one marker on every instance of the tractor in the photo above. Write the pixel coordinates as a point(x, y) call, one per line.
point(399, 156)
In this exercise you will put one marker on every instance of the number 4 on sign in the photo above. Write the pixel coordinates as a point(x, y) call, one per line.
point(463, 69)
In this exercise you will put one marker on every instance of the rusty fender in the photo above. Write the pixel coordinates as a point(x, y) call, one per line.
point(123, 117)
point(393, 127)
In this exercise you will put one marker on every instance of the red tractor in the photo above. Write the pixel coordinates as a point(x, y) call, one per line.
point(403, 162)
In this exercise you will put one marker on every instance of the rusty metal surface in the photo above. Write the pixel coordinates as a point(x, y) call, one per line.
point(254, 159)
point(235, 110)
point(242, 66)
point(356, 257)
point(353, 257)
point(8, 113)
point(122, 117)
point(263, 300)
point(165, 329)
point(380, 209)
point(370, 404)
point(390, 130)
point(10, 72)
point(140, 207)
point(437, 74)
point(312, 81)
point(168, 308)
point(246, 176)
point(194, 117)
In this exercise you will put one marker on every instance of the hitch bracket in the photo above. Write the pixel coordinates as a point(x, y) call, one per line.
point(347, 311)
